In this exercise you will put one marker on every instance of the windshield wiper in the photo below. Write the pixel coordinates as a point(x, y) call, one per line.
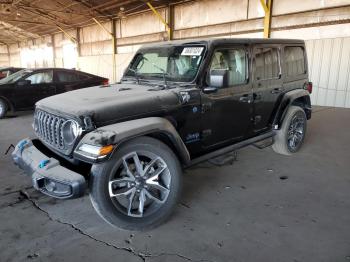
point(136, 75)
point(165, 73)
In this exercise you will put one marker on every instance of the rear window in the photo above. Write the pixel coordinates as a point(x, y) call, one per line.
point(294, 60)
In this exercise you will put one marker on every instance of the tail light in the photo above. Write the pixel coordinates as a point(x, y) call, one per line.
point(105, 82)
point(308, 87)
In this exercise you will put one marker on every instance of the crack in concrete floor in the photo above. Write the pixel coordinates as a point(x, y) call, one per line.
point(142, 256)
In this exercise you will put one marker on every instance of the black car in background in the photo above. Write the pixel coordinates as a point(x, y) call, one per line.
point(6, 71)
point(21, 90)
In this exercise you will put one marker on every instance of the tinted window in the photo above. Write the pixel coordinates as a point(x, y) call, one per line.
point(234, 61)
point(67, 76)
point(42, 77)
point(83, 76)
point(294, 60)
point(266, 63)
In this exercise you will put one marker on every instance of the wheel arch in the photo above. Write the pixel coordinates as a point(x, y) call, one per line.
point(8, 103)
point(155, 127)
point(298, 97)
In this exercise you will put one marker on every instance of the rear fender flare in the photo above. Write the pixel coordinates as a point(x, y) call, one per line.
point(299, 97)
point(117, 134)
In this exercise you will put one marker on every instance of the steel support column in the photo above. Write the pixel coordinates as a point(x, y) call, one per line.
point(171, 21)
point(267, 6)
point(113, 36)
point(53, 50)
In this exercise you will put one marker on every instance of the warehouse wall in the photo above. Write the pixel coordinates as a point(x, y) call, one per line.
point(4, 55)
point(323, 24)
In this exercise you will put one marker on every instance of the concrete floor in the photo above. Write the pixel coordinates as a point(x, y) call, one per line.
point(239, 212)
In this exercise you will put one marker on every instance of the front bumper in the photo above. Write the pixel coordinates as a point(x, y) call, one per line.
point(48, 176)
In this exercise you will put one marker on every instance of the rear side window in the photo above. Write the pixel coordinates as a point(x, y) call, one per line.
point(294, 60)
point(266, 63)
point(63, 76)
point(83, 76)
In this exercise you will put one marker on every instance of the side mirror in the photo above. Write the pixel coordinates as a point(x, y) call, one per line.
point(218, 78)
point(24, 82)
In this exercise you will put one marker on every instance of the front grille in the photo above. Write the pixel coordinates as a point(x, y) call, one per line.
point(48, 128)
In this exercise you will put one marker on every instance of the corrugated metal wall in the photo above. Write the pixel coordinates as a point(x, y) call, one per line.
point(329, 67)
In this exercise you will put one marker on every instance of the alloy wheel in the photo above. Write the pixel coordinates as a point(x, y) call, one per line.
point(296, 132)
point(141, 184)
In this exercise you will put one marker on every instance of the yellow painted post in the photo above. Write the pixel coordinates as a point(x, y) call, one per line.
point(267, 19)
point(157, 14)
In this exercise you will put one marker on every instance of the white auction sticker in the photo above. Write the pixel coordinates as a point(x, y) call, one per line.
point(192, 51)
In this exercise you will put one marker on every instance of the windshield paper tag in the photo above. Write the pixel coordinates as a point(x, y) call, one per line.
point(192, 51)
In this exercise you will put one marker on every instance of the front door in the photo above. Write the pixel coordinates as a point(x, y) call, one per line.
point(40, 86)
point(227, 112)
point(268, 85)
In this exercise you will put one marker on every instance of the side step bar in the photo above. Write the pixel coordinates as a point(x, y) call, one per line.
point(231, 148)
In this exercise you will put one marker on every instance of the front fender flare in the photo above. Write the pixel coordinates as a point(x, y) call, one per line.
point(116, 134)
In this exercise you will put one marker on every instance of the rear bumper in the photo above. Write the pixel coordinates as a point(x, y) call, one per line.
point(48, 176)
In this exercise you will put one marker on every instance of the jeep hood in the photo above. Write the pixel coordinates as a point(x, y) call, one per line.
point(113, 103)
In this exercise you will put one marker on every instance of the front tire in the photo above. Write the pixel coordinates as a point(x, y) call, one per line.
point(138, 188)
point(290, 137)
point(3, 108)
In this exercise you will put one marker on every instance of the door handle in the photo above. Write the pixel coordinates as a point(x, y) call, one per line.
point(245, 99)
point(276, 91)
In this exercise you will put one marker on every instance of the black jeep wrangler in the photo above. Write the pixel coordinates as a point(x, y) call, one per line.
point(178, 103)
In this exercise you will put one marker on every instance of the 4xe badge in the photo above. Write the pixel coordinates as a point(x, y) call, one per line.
point(190, 138)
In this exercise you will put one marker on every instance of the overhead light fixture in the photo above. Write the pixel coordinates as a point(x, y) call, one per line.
point(121, 13)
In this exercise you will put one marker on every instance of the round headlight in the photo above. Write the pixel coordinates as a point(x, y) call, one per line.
point(70, 131)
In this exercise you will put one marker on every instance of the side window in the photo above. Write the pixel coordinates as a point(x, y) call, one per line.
point(234, 61)
point(294, 60)
point(4, 73)
point(41, 78)
point(65, 77)
point(266, 63)
point(83, 76)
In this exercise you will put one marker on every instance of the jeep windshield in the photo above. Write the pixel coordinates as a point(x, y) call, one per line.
point(175, 63)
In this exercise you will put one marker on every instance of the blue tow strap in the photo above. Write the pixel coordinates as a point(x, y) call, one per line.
point(22, 144)
point(43, 163)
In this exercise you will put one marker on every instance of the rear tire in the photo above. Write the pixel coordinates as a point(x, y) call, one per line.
point(138, 188)
point(290, 137)
point(3, 108)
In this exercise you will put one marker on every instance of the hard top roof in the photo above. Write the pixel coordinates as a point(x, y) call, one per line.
point(217, 41)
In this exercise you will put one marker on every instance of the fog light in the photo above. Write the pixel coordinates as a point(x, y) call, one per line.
point(50, 185)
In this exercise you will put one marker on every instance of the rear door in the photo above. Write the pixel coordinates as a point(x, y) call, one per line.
point(267, 84)
point(41, 85)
